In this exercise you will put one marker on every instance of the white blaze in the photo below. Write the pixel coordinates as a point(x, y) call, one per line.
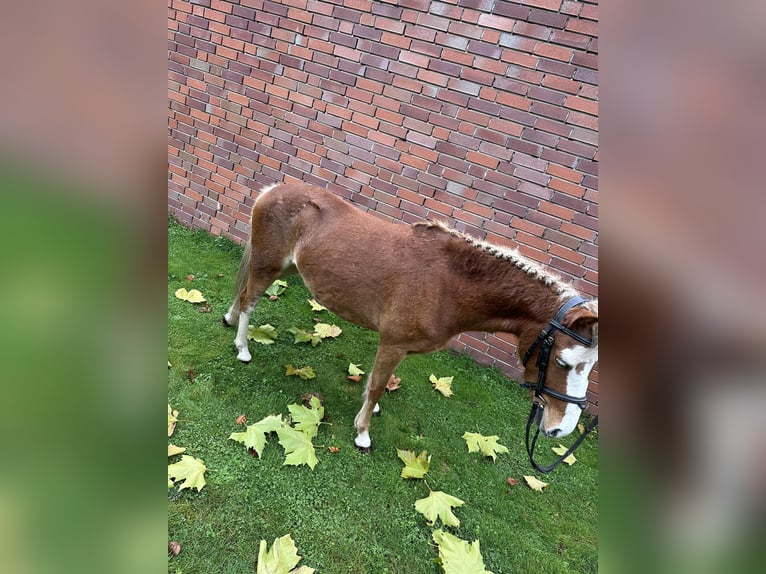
point(582, 360)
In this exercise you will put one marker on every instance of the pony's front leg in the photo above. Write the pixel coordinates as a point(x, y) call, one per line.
point(385, 362)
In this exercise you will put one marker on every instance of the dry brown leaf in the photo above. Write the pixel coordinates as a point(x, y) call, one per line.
point(512, 481)
point(393, 383)
point(334, 449)
point(306, 398)
point(241, 419)
point(190, 277)
point(174, 548)
point(355, 378)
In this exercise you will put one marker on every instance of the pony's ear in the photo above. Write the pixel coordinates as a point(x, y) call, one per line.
point(584, 319)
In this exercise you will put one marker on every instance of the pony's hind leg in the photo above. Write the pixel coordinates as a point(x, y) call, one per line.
point(248, 299)
point(253, 278)
point(386, 361)
point(232, 315)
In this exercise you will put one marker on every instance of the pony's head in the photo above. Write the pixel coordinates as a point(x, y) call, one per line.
point(557, 366)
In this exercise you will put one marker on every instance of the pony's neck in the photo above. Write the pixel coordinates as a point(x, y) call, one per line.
point(516, 305)
point(512, 293)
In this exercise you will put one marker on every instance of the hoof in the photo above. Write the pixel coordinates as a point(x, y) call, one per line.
point(245, 356)
point(363, 442)
point(225, 322)
point(363, 449)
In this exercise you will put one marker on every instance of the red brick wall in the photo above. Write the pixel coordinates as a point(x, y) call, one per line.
point(481, 113)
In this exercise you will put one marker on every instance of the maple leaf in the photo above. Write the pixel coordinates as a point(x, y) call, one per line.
point(298, 447)
point(172, 420)
point(191, 470)
point(457, 556)
point(265, 334)
point(535, 483)
point(354, 370)
point(255, 435)
point(193, 296)
point(324, 330)
point(173, 450)
point(276, 289)
point(302, 336)
point(281, 558)
point(414, 466)
point(316, 306)
point(304, 372)
point(307, 419)
point(561, 450)
point(488, 445)
point(438, 505)
point(442, 384)
point(393, 383)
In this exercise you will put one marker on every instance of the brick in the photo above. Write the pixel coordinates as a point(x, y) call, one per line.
point(561, 239)
point(562, 213)
point(567, 187)
point(564, 173)
point(498, 22)
point(484, 49)
point(547, 18)
point(482, 159)
point(532, 31)
point(571, 39)
point(582, 26)
point(546, 95)
point(554, 5)
point(578, 231)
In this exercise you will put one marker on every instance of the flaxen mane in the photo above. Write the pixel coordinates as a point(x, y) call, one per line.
point(512, 256)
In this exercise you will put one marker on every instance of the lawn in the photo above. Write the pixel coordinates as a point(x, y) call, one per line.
point(353, 513)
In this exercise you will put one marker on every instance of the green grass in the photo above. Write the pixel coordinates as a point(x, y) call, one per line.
point(353, 513)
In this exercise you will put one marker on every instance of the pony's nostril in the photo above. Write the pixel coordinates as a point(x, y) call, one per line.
point(553, 433)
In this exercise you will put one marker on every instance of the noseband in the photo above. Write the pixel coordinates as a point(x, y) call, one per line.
point(545, 342)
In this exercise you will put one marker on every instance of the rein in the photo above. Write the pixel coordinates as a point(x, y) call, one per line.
point(545, 342)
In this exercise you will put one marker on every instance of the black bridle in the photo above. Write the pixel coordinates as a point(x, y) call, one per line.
point(545, 343)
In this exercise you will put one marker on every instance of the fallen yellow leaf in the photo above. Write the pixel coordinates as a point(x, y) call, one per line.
point(172, 420)
point(560, 450)
point(173, 449)
point(535, 483)
point(193, 296)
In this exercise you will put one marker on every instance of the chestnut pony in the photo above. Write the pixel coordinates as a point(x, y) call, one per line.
point(418, 286)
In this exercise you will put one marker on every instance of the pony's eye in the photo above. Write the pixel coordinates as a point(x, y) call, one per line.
point(561, 363)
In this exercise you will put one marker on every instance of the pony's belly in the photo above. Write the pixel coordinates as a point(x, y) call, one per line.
point(346, 303)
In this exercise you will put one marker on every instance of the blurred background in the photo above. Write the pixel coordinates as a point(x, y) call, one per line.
point(83, 298)
point(683, 134)
point(82, 289)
